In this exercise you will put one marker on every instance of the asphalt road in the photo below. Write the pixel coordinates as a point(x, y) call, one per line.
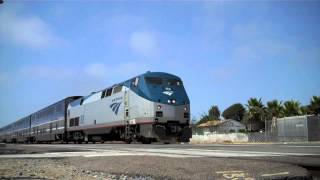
point(184, 160)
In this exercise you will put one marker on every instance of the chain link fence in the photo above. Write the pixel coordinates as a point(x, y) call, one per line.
point(288, 129)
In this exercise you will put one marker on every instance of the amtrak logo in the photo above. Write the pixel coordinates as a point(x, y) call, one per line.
point(168, 91)
point(115, 107)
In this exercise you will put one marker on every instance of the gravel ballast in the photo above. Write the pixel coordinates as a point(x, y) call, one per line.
point(54, 169)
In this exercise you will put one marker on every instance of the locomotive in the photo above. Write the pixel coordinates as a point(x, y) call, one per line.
point(151, 107)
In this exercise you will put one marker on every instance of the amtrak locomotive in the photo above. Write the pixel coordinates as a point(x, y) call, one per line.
point(147, 108)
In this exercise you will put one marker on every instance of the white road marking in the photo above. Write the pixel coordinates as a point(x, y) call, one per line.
point(204, 153)
point(221, 172)
point(228, 145)
point(168, 152)
point(275, 174)
point(258, 152)
point(91, 154)
point(248, 145)
point(305, 146)
point(235, 175)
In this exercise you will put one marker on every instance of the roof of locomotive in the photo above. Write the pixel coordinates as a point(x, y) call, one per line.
point(127, 83)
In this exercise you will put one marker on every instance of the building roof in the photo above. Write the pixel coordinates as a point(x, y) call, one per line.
point(219, 122)
point(210, 123)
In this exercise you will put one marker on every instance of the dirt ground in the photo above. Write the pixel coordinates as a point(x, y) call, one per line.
point(53, 169)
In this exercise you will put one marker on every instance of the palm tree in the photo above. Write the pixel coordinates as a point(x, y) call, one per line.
point(292, 108)
point(255, 107)
point(314, 107)
point(275, 108)
point(304, 110)
point(256, 112)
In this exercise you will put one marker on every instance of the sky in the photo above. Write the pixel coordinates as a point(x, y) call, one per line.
point(224, 51)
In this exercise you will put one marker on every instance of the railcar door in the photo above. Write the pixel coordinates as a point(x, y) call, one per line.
point(126, 105)
point(51, 135)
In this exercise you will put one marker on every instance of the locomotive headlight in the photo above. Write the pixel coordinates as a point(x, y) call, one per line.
point(185, 109)
point(159, 107)
point(173, 101)
point(169, 101)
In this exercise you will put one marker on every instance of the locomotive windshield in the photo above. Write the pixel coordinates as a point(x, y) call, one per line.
point(164, 88)
point(153, 80)
point(161, 81)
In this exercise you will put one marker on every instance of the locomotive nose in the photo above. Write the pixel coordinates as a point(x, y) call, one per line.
point(165, 113)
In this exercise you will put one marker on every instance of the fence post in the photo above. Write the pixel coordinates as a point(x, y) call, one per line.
point(265, 129)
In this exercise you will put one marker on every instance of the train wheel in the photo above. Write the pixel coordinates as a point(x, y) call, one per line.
point(78, 136)
point(185, 134)
point(128, 141)
point(146, 140)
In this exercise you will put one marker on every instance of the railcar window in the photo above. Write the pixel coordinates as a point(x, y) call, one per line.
point(117, 89)
point(153, 80)
point(103, 94)
point(62, 123)
point(74, 122)
point(71, 122)
point(108, 93)
point(59, 108)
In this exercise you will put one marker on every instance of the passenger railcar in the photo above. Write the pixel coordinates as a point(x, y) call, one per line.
point(49, 124)
point(46, 125)
point(17, 131)
point(150, 107)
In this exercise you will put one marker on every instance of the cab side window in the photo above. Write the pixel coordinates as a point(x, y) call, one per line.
point(117, 89)
point(103, 94)
point(135, 82)
point(108, 93)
